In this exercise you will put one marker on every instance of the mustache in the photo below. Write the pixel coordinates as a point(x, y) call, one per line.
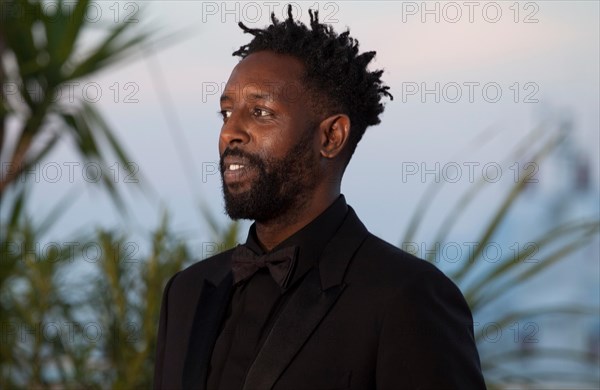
point(250, 158)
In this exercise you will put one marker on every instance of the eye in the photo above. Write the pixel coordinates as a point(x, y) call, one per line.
point(259, 112)
point(224, 114)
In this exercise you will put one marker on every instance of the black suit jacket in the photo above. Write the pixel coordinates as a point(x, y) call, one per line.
point(368, 316)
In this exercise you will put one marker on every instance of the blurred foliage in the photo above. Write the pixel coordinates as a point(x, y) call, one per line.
point(63, 326)
point(42, 51)
point(483, 287)
point(79, 328)
point(60, 324)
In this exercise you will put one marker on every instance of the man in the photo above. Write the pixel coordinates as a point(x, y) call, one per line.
point(312, 300)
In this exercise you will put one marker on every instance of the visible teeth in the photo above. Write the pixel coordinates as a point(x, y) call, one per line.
point(235, 167)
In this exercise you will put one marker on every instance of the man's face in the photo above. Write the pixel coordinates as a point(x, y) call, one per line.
point(269, 145)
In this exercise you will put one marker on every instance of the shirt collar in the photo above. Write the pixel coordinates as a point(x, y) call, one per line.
point(311, 239)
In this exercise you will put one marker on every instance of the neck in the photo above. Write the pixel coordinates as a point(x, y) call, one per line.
point(271, 233)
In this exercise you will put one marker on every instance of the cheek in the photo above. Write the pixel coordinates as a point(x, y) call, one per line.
point(274, 143)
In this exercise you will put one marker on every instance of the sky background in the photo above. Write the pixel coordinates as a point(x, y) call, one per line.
point(526, 62)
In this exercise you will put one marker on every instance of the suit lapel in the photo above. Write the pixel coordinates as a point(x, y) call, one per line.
point(308, 305)
point(210, 310)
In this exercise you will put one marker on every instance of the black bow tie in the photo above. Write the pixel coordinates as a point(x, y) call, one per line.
point(280, 263)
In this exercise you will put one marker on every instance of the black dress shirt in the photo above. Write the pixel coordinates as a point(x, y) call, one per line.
point(256, 302)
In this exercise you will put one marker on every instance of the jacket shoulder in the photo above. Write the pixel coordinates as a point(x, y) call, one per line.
point(391, 260)
point(383, 266)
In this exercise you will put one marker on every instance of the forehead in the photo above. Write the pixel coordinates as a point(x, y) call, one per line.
point(266, 74)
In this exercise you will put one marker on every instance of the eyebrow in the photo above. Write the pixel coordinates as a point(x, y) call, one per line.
point(254, 96)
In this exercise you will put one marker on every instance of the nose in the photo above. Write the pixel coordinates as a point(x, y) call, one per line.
point(233, 131)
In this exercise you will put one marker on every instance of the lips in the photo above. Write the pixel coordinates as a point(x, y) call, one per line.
point(236, 169)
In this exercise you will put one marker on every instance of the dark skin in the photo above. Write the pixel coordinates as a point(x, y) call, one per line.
point(265, 112)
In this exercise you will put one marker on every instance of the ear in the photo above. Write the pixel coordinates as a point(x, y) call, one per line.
point(335, 131)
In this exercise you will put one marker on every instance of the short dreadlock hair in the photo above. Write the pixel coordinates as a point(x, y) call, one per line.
point(334, 71)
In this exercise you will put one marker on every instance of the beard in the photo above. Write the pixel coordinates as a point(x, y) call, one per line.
point(281, 187)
